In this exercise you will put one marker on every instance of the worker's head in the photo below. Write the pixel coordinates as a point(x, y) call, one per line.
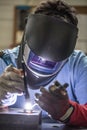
point(58, 9)
point(49, 39)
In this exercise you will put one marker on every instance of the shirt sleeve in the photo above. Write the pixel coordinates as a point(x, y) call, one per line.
point(79, 115)
point(10, 57)
point(81, 81)
point(2, 65)
point(78, 77)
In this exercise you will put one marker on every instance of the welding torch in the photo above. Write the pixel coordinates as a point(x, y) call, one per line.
point(28, 106)
point(26, 92)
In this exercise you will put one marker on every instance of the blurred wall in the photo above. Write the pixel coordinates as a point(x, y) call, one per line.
point(7, 21)
point(72, 2)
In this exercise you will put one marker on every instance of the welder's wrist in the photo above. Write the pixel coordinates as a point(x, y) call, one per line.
point(66, 117)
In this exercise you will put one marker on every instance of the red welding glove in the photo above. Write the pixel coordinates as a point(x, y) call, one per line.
point(55, 101)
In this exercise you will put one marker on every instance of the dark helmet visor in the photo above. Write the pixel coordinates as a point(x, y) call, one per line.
point(50, 37)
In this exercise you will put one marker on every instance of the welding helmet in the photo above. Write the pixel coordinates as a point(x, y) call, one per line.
point(47, 43)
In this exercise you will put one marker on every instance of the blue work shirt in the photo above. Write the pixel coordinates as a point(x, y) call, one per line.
point(74, 72)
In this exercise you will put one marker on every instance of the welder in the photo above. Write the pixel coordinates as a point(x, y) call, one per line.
point(55, 73)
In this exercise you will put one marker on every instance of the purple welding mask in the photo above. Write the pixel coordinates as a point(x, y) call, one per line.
point(47, 43)
point(39, 71)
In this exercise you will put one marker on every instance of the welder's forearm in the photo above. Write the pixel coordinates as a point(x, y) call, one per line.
point(79, 115)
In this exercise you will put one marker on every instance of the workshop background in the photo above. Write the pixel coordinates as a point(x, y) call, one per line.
point(8, 21)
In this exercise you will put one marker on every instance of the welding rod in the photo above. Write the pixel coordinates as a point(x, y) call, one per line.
point(26, 93)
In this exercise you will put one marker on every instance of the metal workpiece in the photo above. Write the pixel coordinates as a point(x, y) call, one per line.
point(18, 119)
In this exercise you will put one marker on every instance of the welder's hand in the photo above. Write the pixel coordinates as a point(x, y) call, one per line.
point(54, 101)
point(11, 81)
